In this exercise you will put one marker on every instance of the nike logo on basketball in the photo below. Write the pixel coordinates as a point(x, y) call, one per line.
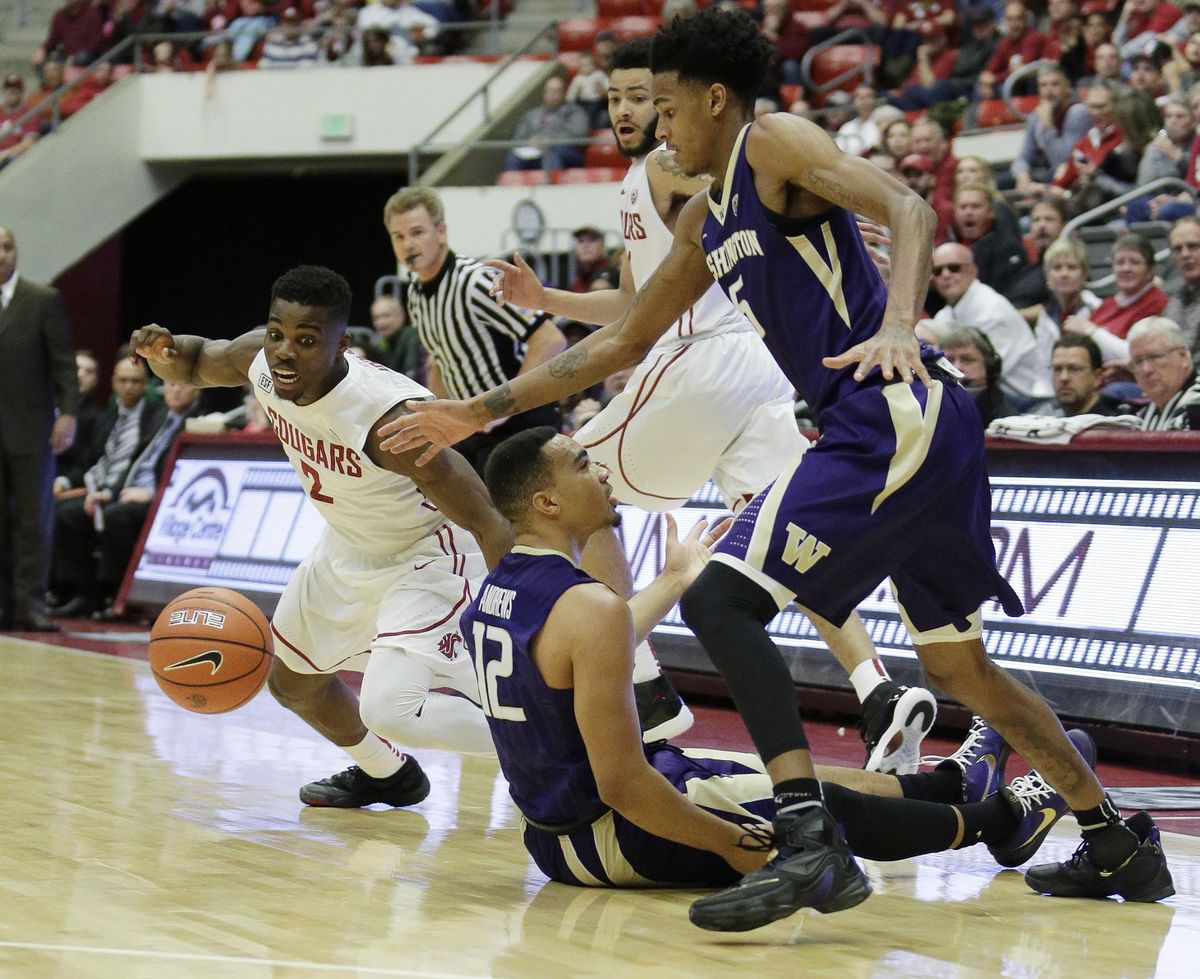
point(213, 657)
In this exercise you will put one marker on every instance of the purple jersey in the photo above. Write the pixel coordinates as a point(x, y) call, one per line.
point(541, 751)
point(807, 284)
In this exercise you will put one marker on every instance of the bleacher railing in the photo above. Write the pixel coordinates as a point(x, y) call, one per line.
point(866, 69)
point(1006, 90)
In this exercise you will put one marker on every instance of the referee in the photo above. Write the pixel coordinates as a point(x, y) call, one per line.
point(475, 342)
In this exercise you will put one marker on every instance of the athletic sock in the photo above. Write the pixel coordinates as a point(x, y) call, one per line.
point(1110, 842)
point(376, 757)
point(879, 828)
point(989, 821)
point(794, 795)
point(645, 663)
point(867, 676)
point(943, 784)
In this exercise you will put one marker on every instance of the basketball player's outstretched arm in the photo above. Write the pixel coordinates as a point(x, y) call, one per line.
point(587, 642)
point(518, 283)
point(680, 280)
point(799, 153)
point(453, 487)
point(194, 360)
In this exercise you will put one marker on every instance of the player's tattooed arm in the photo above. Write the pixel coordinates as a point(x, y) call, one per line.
point(500, 402)
point(195, 360)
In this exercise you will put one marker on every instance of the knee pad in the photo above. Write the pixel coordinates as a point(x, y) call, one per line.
point(383, 709)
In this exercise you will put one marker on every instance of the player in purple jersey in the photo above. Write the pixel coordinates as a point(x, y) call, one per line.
point(553, 653)
point(896, 487)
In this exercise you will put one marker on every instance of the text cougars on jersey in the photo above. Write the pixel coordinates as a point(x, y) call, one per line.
point(739, 245)
point(497, 601)
point(328, 455)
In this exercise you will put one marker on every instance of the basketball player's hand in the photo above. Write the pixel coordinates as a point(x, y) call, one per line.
point(894, 350)
point(686, 558)
point(517, 283)
point(434, 424)
point(153, 342)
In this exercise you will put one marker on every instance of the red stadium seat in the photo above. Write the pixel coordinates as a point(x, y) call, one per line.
point(578, 33)
point(592, 175)
point(788, 94)
point(627, 28)
point(526, 178)
point(808, 19)
point(604, 155)
point(627, 8)
point(835, 60)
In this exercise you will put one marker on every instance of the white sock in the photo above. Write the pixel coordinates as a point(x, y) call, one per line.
point(867, 676)
point(376, 757)
point(645, 663)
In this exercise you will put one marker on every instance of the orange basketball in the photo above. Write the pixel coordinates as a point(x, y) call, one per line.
point(210, 650)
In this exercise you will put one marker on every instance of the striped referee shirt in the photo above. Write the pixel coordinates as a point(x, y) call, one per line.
point(1175, 413)
point(477, 342)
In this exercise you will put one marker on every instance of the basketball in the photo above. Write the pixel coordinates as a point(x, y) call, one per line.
point(210, 650)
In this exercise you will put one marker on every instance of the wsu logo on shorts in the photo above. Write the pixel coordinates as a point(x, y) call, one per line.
point(448, 645)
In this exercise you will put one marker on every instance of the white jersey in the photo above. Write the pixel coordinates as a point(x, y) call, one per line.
point(368, 507)
point(648, 239)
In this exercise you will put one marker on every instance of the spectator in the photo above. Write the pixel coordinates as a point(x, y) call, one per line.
point(289, 45)
point(1064, 37)
point(789, 37)
point(871, 15)
point(1021, 44)
point(1066, 270)
point(76, 34)
point(401, 19)
point(246, 30)
point(125, 430)
point(1164, 371)
point(1051, 131)
point(1166, 156)
point(474, 341)
point(1076, 367)
point(1137, 297)
point(555, 119)
point(1183, 308)
point(37, 404)
point(1146, 73)
point(167, 59)
point(15, 139)
point(912, 21)
point(837, 111)
point(88, 411)
point(590, 257)
point(97, 81)
point(1106, 67)
point(589, 88)
point(51, 80)
point(1046, 222)
point(977, 170)
point(970, 58)
point(860, 134)
point(974, 356)
point(916, 172)
point(1141, 22)
point(997, 251)
point(929, 139)
point(970, 302)
point(602, 50)
point(932, 68)
point(1081, 175)
point(379, 49)
point(399, 345)
point(896, 138)
point(1183, 70)
point(1187, 25)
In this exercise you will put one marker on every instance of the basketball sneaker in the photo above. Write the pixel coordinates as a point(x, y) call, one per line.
point(890, 712)
point(1144, 877)
point(981, 759)
point(1038, 807)
point(354, 788)
point(812, 868)
point(662, 712)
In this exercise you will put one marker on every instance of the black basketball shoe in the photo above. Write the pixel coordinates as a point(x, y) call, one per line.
point(813, 868)
point(1143, 877)
point(894, 711)
point(662, 712)
point(354, 788)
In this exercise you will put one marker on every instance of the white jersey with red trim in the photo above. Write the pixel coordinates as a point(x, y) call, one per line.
point(368, 507)
point(648, 239)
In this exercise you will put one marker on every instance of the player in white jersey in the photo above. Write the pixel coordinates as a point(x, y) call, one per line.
point(707, 402)
point(383, 588)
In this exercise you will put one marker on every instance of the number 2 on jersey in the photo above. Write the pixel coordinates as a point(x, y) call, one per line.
point(315, 490)
point(488, 673)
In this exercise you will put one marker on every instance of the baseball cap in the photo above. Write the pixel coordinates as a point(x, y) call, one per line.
point(1156, 53)
point(14, 81)
point(588, 229)
point(916, 161)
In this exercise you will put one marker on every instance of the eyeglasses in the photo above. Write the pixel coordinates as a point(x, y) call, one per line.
point(952, 267)
point(1139, 362)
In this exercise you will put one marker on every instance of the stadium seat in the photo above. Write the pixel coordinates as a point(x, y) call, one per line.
point(833, 61)
point(578, 33)
point(592, 175)
point(627, 28)
point(627, 8)
point(604, 155)
point(788, 94)
point(526, 178)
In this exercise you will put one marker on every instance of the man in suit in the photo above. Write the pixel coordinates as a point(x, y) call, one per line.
point(38, 393)
point(124, 432)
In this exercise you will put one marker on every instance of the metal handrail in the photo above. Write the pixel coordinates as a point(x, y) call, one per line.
point(849, 36)
point(1162, 183)
point(484, 91)
point(1006, 90)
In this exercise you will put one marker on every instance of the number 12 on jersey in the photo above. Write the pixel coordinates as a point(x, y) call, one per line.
point(488, 673)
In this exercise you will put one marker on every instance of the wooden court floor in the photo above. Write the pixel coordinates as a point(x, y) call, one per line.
point(139, 840)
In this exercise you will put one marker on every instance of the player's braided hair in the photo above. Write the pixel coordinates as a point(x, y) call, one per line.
point(714, 46)
point(516, 470)
point(314, 285)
